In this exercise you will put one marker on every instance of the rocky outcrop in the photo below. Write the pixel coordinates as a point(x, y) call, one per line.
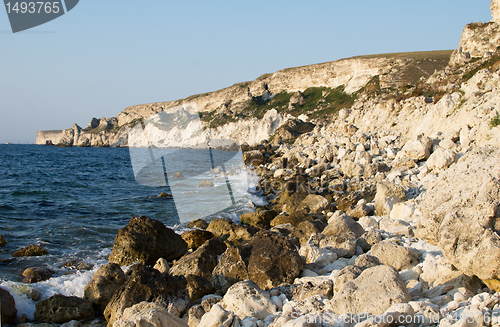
point(461, 212)
point(103, 285)
point(146, 240)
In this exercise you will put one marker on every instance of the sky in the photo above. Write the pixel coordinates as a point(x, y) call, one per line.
point(106, 55)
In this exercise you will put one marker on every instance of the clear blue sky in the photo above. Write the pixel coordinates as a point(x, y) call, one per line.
point(106, 55)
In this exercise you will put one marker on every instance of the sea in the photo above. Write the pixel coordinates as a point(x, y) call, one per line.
point(72, 202)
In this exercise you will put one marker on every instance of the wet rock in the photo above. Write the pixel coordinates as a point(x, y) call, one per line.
point(195, 238)
point(397, 256)
point(146, 240)
point(260, 219)
point(374, 291)
point(104, 283)
point(164, 195)
point(177, 175)
point(387, 195)
point(8, 307)
point(148, 284)
point(37, 274)
point(236, 233)
point(148, 314)
point(268, 259)
point(253, 158)
point(246, 299)
point(2, 241)
point(198, 287)
point(30, 251)
point(26, 290)
point(460, 213)
point(201, 262)
point(77, 265)
point(197, 223)
point(205, 183)
point(60, 309)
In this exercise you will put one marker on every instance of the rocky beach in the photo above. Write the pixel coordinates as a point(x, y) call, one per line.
point(380, 177)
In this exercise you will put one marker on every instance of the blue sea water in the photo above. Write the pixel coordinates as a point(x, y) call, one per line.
point(72, 201)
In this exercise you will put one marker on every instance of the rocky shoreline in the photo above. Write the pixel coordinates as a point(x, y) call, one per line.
point(356, 231)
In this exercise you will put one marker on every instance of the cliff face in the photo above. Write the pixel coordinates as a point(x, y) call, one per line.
point(370, 91)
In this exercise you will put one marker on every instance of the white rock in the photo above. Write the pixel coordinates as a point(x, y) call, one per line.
point(149, 314)
point(246, 299)
point(441, 159)
point(366, 222)
point(402, 211)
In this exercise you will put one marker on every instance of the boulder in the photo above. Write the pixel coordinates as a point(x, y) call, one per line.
point(198, 287)
point(162, 265)
point(441, 159)
point(323, 288)
point(217, 317)
point(205, 183)
point(460, 213)
point(197, 223)
point(260, 219)
point(374, 291)
point(394, 255)
point(148, 284)
point(306, 228)
point(37, 274)
point(104, 283)
point(30, 251)
point(268, 259)
point(294, 219)
point(8, 309)
point(60, 309)
point(195, 238)
point(352, 169)
point(341, 245)
point(196, 312)
point(387, 195)
point(314, 203)
point(341, 224)
point(253, 158)
point(146, 240)
point(419, 149)
point(235, 233)
point(201, 262)
point(148, 314)
point(368, 239)
point(246, 299)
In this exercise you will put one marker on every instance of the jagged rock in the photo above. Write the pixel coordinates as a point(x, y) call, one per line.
point(198, 287)
point(397, 227)
point(441, 159)
point(221, 226)
point(352, 169)
point(60, 309)
point(268, 259)
point(495, 10)
point(205, 183)
point(387, 195)
point(314, 203)
point(246, 299)
point(8, 309)
point(294, 219)
point(349, 273)
point(77, 264)
point(148, 314)
point(37, 274)
point(341, 225)
point(201, 262)
point(370, 237)
point(217, 317)
point(195, 238)
point(402, 211)
point(394, 255)
point(460, 214)
point(104, 283)
point(373, 291)
point(164, 195)
point(253, 158)
point(146, 240)
point(260, 219)
point(343, 245)
point(162, 265)
point(197, 223)
point(196, 312)
point(30, 251)
point(305, 229)
point(148, 284)
point(292, 195)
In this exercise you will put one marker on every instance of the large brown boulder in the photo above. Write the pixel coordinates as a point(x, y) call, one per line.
point(201, 262)
point(59, 309)
point(31, 250)
point(195, 238)
point(461, 214)
point(268, 259)
point(8, 307)
point(104, 283)
point(148, 284)
point(260, 219)
point(234, 232)
point(146, 240)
